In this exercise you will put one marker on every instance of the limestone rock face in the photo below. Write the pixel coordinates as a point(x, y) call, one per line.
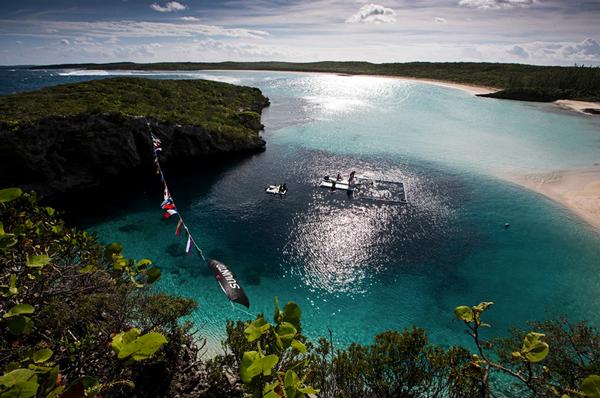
point(58, 155)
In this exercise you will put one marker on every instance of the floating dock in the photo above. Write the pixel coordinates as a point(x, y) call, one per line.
point(370, 189)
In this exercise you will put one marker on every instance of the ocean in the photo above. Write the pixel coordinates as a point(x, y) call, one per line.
point(359, 267)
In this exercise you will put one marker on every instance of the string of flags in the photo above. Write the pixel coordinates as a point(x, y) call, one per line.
point(226, 278)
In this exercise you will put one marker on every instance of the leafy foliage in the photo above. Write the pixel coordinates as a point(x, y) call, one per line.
point(65, 298)
point(222, 108)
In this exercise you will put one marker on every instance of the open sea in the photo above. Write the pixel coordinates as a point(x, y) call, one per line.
point(360, 267)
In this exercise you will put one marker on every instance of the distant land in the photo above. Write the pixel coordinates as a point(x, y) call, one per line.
point(74, 137)
point(515, 81)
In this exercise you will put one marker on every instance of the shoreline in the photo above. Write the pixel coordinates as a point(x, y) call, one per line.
point(572, 105)
point(576, 190)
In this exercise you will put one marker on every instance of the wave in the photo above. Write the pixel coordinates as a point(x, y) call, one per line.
point(179, 74)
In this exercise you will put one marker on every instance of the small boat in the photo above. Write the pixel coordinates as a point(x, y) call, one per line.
point(276, 189)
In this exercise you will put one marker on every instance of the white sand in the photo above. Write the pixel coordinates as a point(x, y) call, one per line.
point(578, 106)
point(578, 190)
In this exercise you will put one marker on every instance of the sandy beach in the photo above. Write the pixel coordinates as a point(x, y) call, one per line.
point(577, 190)
point(578, 106)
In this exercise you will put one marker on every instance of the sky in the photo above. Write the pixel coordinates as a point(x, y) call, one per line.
point(545, 32)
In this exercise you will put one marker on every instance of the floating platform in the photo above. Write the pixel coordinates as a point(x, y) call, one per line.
point(370, 189)
point(338, 184)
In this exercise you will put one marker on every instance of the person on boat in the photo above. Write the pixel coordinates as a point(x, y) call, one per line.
point(339, 177)
point(351, 176)
point(283, 188)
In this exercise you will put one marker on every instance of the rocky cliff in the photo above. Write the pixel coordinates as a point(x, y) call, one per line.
point(58, 153)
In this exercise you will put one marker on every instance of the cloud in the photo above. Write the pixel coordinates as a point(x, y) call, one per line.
point(65, 42)
point(237, 49)
point(170, 6)
point(519, 52)
point(587, 50)
point(440, 20)
point(142, 29)
point(496, 4)
point(373, 14)
point(189, 19)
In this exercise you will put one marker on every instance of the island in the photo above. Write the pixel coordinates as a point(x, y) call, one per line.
point(504, 80)
point(72, 137)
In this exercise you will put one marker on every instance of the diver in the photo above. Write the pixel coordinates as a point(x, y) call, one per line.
point(283, 188)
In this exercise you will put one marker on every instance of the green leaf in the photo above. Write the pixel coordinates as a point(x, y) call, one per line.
point(143, 347)
point(291, 383)
point(42, 355)
point(464, 313)
point(292, 314)
point(24, 389)
point(308, 390)
point(10, 289)
point(17, 376)
point(120, 339)
point(483, 306)
point(112, 248)
point(298, 346)
point(19, 309)
point(256, 329)
point(19, 325)
point(10, 194)
point(250, 366)
point(285, 334)
point(590, 386)
point(57, 392)
point(143, 263)
point(50, 211)
point(534, 350)
point(38, 261)
point(2, 229)
point(153, 274)
point(254, 364)
point(269, 390)
point(267, 363)
point(6, 241)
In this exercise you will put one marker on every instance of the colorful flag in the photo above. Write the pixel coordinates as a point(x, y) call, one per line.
point(156, 143)
point(178, 229)
point(188, 245)
point(168, 213)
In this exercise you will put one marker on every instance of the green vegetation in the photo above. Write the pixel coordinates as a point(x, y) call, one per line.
point(78, 319)
point(218, 107)
point(68, 309)
point(553, 82)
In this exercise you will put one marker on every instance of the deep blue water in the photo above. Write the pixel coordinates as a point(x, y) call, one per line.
point(360, 267)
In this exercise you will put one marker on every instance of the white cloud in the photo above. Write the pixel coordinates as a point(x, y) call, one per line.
point(189, 19)
point(496, 4)
point(373, 14)
point(587, 50)
point(141, 29)
point(519, 52)
point(440, 20)
point(65, 42)
point(170, 6)
point(237, 49)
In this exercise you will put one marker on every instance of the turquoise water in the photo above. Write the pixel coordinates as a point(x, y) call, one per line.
point(360, 267)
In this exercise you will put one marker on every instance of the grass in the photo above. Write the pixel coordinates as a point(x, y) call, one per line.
point(219, 107)
point(573, 82)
